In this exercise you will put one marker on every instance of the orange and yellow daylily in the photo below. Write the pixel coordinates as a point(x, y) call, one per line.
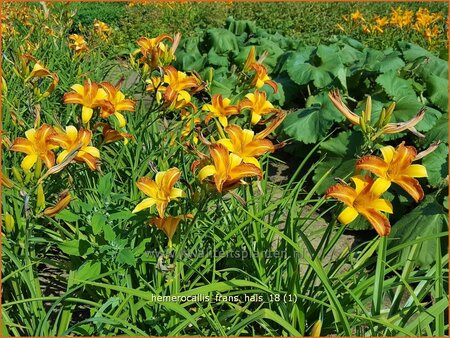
point(72, 139)
point(90, 96)
point(118, 103)
point(102, 29)
point(155, 53)
point(37, 145)
point(357, 15)
point(396, 166)
point(258, 105)
point(228, 169)
point(364, 200)
point(221, 108)
point(261, 77)
point(78, 44)
point(176, 87)
point(169, 224)
point(112, 135)
point(159, 191)
point(39, 71)
point(245, 144)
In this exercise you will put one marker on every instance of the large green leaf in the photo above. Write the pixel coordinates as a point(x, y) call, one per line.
point(310, 124)
point(428, 218)
point(221, 40)
point(437, 91)
point(396, 87)
point(411, 51)
point(321, 67)
point(306, 125)
point(437, 165)
point(438, 133)
point(76, 247)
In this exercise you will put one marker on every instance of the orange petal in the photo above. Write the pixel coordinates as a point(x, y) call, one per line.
point(73, 98)
point(378, 221)
point(373, 164)
point(23, 145)
point(411, 186)
point(343, 193)
point(60, 205)
point(148, 187)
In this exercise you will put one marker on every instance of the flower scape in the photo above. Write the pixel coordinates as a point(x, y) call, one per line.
point(141, 191)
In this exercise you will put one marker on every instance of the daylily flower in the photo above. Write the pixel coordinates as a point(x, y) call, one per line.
point(258, 105)
point(401, 17)
point(169, 224)
point(261, 78)
point(73, 139)
point(228, 169)
point(39, 71)
point(396, 167)
point(174, 87)
point(364, 199)
point(118, 103)
point(63, 202)
point(90, 96)
point(111, 135)
point(245, 144)
point(159, 191)
point(155, 53)
point(78, 44)
point(220, 108)
point(381, 21)
point(37, 145)
point(102, 29)
point(357, 15)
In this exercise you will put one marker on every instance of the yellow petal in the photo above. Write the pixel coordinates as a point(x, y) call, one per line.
point(382, 205)
point(255, 118)
point(62, 156)
point(388, 153)
point(31, 135)
point(380, 186)
point(86, 114)
point(206, 171)
point(28, 162)
point(92, 150)
point(223, 121)
point(253, 161)
point(146, 203)
point(176, 193)
point(416, 170)
point(72, 133)
point(348, 215)
point(121, 119)
point(227, 143)
point(78, 88)
point(360, 183)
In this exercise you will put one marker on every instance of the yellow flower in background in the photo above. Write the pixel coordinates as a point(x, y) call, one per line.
point(381, 21)
point(118, 103)
point(364, 200)
point(102, 29)
point(89, 95)
point(357, 16)
point(400, 17)
point(258, 105)
point(245, 144)
point(221, 108)
point(228, 169)
point(159, 191)
point(396, 166)
point(72, 139)
point(37, 145)
point(39, 71)
point(431, 33)
point(78, 44)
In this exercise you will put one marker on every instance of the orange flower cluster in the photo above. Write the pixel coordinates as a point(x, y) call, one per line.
point(422, 20)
